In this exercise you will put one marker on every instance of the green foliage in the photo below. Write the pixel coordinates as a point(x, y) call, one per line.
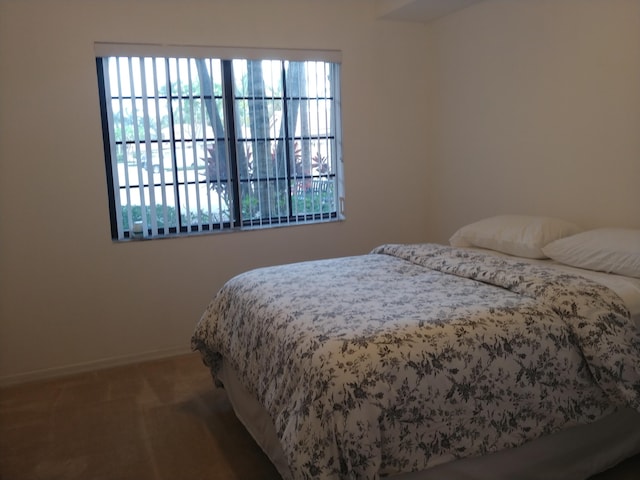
point(315, 201)
point(309, 202)
point(171, 219)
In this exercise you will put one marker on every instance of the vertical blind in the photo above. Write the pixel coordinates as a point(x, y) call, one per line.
point(199, 143)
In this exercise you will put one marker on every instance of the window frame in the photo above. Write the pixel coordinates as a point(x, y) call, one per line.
point(120, 231)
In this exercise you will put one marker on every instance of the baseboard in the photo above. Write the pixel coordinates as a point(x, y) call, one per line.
point(55, 372)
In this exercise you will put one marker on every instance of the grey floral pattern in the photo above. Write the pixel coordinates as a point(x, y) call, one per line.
point(415, 355)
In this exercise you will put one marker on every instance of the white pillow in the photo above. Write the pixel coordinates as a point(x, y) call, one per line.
point(611, 250)
point(519, 235)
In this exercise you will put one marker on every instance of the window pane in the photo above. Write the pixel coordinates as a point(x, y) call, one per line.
point(190, 151)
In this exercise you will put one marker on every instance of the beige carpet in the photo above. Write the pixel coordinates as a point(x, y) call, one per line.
point(159, 420)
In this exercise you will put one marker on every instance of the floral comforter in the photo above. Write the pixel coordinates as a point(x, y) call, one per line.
point(415, 355)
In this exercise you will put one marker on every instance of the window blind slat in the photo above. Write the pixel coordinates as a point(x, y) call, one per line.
point(138, 154)
point(183, 209)
point(125, 149)
point(160, 149)
point(205, 147)
point(194, 149)
point(152, 222)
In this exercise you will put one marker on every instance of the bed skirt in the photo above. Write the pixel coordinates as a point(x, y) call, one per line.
point(572, 454)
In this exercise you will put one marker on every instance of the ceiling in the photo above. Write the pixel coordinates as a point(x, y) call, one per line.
point(420, 10)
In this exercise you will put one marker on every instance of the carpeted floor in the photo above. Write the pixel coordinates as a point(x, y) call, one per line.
point(160, 420)
point(149, 421)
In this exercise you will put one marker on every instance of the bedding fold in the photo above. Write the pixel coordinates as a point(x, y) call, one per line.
point(601, 322)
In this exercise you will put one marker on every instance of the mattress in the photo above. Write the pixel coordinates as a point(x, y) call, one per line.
point(566, 401)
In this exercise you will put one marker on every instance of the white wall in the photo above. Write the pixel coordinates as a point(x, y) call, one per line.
point(529, 106)
point(70, 298)
point(535, 108)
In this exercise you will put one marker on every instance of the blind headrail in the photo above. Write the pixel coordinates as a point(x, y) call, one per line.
point(114, 49)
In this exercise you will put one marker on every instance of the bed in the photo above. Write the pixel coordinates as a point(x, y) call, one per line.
point(437, 361)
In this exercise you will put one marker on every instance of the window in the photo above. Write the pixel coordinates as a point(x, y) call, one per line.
point(204, 143)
